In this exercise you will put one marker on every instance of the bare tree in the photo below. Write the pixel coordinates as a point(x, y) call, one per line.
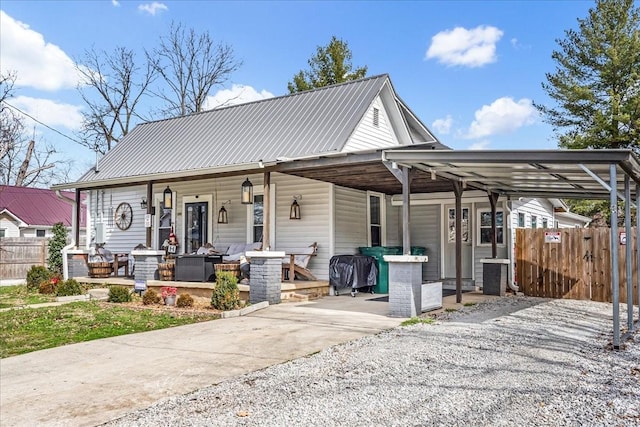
point(191, 65)
point(112, 89)
point(22, 162)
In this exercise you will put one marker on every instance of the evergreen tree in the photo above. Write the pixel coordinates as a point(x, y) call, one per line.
point(330, 65)
point(596, 84)
point(56, 244)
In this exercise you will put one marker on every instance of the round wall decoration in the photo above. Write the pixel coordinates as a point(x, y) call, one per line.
point(124, 216)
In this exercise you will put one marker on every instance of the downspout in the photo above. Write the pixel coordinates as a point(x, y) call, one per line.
point(510, 282)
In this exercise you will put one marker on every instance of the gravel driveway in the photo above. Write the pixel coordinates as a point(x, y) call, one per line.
point(513, 362)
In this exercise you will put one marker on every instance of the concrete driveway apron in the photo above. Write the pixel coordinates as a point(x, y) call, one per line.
point(93, 382)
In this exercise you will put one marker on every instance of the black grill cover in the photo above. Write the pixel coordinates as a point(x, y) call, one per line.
point(352, 271)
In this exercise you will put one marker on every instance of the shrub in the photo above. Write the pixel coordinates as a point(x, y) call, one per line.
point(69, 287)
point(119, 294)
point(185, 300)
point(48, 287)
point(36, 275)
point(226, 295)
point(56, 244)
point(150, 297)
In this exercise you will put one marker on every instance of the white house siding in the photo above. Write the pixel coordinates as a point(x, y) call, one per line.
point(9, 225)
point(426, 231)
point(350, 220)
point(393, 223)
point(314, 225)
point(367, 136)
point(101, 207)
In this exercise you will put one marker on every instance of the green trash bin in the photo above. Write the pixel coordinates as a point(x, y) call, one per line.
point(377, 252)
point(418, 250)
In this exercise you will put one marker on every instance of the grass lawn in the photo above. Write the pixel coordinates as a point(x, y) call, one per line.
point(18, 295)
point(31, 329)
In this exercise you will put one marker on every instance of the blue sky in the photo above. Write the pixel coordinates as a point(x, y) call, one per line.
point(469, 70)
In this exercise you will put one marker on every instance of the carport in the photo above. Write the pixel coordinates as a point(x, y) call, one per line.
point(569, 174)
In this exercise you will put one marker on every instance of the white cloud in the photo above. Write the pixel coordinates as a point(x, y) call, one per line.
point(152, 8)
point(503, 116)
point(443, 126)
point(471, 48)
point(480, 145)
point(116, 3)
point(50, 112)
point(238, 94)
point(38, 64)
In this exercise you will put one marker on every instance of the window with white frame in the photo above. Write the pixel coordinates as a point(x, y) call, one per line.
point(3, 232)
point(545, 223)
point(521, 220)
point(534, 221)
point(376, 226)
point(40, 233)
point(484, 228)
point(258, 217)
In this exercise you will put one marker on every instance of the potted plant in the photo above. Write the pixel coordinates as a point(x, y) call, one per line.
point(169, 294)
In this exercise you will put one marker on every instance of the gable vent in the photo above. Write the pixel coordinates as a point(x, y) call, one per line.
point(376, 117)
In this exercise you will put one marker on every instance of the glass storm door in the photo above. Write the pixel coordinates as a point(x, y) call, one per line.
point(195, 226)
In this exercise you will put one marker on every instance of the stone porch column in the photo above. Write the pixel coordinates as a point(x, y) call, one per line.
point(405, 284)
point(265, 281)
point(145, 264)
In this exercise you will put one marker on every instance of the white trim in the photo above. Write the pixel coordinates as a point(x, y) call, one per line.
point(208, 198)
point(441, 198)
point(332, 220)
point(157, 199)
point(479, 227)
point(383, 216)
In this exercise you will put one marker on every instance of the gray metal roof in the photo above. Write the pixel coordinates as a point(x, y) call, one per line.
point(316, 122)
point(531, 173)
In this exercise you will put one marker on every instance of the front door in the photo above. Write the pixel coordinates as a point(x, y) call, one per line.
point(195, 226)
point(450, 242)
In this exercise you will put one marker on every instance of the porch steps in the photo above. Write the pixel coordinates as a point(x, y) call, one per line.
point(467, 284)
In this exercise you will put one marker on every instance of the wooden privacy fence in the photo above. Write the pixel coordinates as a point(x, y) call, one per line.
point(18, 254)
point(573, 263)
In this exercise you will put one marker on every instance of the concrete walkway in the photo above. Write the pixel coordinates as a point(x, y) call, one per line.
point(91, 383)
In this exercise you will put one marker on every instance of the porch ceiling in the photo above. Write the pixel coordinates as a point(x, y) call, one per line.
point(530, 173)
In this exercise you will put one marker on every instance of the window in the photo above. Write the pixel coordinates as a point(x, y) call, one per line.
point(545, 223)
point(40, 233)
point(485, 227)
point(452, 225)
point(3, 232)
point(376, 117)
point(258, 217)
point(164, 225)
point(534, 221)
point(521, 220)
point(375, 220)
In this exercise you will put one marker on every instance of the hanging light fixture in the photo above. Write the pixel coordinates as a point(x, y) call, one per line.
point(167, 198)
point(143, 204)
point(223, 218)
point(247, 192)
point(294, 212)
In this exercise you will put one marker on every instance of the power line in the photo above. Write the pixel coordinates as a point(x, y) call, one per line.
point(43, 124)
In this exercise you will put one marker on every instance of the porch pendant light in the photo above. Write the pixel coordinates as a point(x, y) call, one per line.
point(222, 216)
point(167, 198)
point(247, 192)
point(294, 212)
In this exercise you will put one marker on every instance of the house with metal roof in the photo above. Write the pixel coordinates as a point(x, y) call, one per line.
point(314, 162)
point(32, 212)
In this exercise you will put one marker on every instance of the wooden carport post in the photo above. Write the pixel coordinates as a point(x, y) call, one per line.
point(457, 190)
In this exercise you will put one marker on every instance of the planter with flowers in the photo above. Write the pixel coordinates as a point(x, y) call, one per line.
point(169, 294)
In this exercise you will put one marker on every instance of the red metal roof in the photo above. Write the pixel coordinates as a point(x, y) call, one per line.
point(39, 206)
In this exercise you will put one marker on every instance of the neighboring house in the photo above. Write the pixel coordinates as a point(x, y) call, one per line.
point(32, 212)
point(322, 150)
